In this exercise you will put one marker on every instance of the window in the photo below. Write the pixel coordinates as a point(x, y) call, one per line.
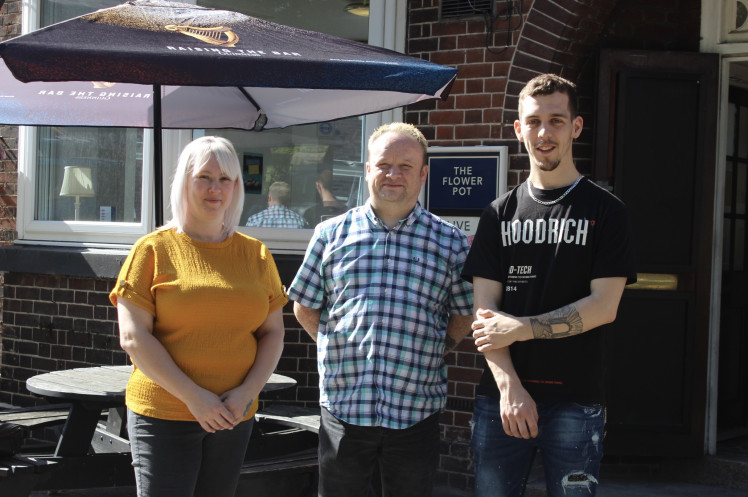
point(81, 183)
point(111, 168)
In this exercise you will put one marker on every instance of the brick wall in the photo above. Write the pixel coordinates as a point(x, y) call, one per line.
point(10, 25)
point(59, 322)
point(8, 183)
point(51, 323)
point(10, 19)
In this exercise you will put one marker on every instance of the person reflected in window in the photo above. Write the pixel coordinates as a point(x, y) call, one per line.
point(328, 205)
point(277, 215)
point(200, 315)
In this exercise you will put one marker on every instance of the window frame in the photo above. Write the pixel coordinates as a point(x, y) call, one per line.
point(387, 28)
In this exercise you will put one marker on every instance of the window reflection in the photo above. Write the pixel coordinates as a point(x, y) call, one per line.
point(315, 171)
point(113, 161)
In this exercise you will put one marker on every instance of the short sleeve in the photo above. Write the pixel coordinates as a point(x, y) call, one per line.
point(614, 254)
point(307, 288)
point(276, 292)
point(483, 258)
point(462, 291)
point(135, 280)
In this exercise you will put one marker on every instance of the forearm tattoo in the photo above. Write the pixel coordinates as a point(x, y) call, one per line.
point(561, 323)
point(246, 409)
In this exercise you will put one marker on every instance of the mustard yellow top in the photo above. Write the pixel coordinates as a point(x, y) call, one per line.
point(207, 300)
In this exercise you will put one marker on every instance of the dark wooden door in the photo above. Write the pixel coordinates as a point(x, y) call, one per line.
point(655, 147)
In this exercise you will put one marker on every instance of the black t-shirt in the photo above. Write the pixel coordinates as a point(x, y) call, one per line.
point(545, 256)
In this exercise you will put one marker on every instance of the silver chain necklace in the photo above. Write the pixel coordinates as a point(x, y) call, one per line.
point(551, 202)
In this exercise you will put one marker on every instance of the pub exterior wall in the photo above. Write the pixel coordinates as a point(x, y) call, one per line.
point(57, 321)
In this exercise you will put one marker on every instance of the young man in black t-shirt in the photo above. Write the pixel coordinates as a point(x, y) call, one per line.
point(549, 263)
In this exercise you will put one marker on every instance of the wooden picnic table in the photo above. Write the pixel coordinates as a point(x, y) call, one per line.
point(92, 390)
point(89, 455)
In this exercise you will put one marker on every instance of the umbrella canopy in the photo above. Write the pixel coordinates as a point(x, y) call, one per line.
point(277, 73)
point(95, 103)
point(153, 63)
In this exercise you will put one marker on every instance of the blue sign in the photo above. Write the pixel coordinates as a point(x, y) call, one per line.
point(462, 181)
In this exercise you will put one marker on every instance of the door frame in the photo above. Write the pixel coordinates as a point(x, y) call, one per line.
point(736, 53)
point(714, 39)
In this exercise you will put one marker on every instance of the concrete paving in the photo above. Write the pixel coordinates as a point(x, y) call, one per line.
point(627, 488)
point(723, 475)
point(609, 488)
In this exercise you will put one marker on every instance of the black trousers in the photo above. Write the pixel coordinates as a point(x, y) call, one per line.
point(348, 456)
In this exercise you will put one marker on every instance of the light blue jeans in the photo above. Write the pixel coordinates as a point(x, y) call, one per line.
point(180, 459)
point(570, 440)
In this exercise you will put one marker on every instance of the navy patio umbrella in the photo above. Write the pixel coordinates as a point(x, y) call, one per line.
point(159, 64)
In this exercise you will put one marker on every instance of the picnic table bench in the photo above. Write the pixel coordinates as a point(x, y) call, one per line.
point(36, 416)
point(19, 475)
point(282, 454)
point(306, 418)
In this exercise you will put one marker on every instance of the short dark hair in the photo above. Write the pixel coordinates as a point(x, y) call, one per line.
point(548, 84)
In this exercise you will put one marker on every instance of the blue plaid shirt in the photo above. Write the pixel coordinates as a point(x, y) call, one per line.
point(277, 216)
point(386, 296)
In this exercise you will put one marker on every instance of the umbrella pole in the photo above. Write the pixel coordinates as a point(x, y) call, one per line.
point(157, 158)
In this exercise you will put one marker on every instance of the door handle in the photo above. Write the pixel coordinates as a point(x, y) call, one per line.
point(654, 281)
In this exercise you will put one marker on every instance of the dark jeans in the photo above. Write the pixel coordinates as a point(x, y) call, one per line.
point(570, 439)
point(180, 459)
point(348, 454)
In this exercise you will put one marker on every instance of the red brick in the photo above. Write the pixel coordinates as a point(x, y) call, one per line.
point(448, 28)
point(474, 86)
point(450, 58)
point(447, 43)
point(474, 116)
point(474, 101)
point(446, 117)
point(444, 133)
point(471, 41)
point(493, 115)
point(475, 56)
point(475, 71)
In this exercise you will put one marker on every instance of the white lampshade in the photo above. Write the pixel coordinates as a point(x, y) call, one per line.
point(358, 8)
point(77, 182)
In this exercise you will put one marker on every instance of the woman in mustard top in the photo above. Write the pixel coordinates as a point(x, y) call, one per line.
point(200, 315)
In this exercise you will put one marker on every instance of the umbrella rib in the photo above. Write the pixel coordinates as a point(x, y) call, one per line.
point(262, 120)
point(249, 97)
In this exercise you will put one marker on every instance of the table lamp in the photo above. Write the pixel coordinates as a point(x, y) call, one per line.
point(77, 183)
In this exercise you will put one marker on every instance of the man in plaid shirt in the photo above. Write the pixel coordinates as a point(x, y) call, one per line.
point(277, 215)
point(380, 292)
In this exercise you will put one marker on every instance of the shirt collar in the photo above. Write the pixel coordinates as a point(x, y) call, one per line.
point(407, 221)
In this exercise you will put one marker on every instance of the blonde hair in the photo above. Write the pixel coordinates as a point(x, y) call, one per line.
point(197, 153)
point(403, 129)
point(280, 192)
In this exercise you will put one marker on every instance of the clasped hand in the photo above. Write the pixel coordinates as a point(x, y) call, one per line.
point(216, 413)
point(495, 330)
